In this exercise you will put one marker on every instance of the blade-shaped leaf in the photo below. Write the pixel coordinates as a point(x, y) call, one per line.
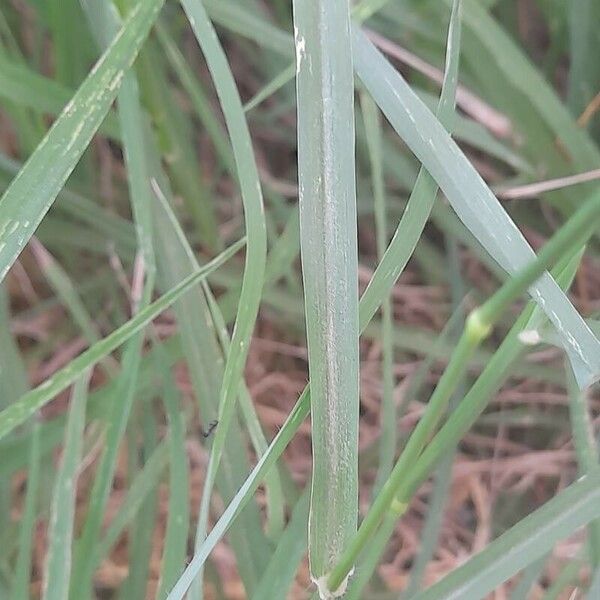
point(472, 200)
point(328, 240)
point(35, 188)
point(17, 413)
point(523, 544)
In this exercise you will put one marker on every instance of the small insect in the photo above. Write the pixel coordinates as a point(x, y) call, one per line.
point(211, 427)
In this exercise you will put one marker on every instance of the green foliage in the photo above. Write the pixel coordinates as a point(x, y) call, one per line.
point(138, 141)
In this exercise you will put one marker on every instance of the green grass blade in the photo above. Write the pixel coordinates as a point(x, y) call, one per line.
point(524, 543)
point(22, 573)
point(244, 494)
point(585, 449)
point(26, 88)
point(141, 487)
point(274, 492)
point(325, 94)
point(62, 284)
point(35, 188)
point(69, 43)
point(392, 501)
point(238, 18)
point(62, 515)
point(256, 248)
point(531, 574)
point(105, 22)
point(200, 348)
point(204, 110)
point(280, 571)
point(84, 566)
point(522, 76)
point(173, 134)
point(387, 417)
point(273, 86)
point(17, 413)
point(422, 197)
point(175, 545)
point(584, 71)
point(442, 478)
point(472, 199)
point(13, 383)
point(141, 528)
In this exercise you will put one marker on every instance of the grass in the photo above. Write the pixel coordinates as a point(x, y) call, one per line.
point(155, 386)
point(327, 199)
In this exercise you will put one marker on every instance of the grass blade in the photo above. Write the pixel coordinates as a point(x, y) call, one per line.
point(13, 383)
point(585, 449)
point(22, 575)
point(584, 72)
point(117, 423)
point(531, 574)
point(17, 413)
point(142, 486)
point(60, 532)
point(205, 361)
point(35, 188)
point(442, 478)
point(523, 544)
point(27, 88)
point(283, 565)
point(173, 128)
point(256, 249)
point(392, 502)
point(199, 99)
point(105, 21)
point(472, 199)
point(387, 417)
point(140, 533)
point(175, 546)
point(274, 492)
point(328, 230)
point(236, 17)
point(244, 494)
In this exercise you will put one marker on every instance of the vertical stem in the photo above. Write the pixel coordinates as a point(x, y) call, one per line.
point(387, 446)
point(325, 92)
point(585, 449)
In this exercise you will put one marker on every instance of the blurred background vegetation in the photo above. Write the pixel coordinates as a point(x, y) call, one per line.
point(528, 112)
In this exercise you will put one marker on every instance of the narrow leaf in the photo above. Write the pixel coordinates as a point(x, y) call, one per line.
point(523, 544)
point(17, 413)
point(328, 239)
point(472, 200)
point(60, 532)
point(35, 188)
